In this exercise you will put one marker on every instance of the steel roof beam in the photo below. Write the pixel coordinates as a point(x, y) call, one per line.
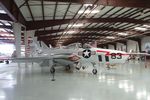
point(7, 27)
point(5, 17)
point(32, 25)
point(12, 10)
point(46, 32)
point(74, 35)
point(122, 3)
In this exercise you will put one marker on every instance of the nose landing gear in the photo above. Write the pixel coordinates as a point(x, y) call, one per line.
point(94, 71)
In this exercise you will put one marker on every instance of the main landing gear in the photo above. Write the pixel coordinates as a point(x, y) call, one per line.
point(68, 67)
point(7, 62)
point(52, 71)
point(94, 71)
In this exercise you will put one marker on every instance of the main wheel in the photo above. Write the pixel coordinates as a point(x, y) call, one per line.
point(68, 67)
point(52, 70)
point(94, 71)
point(7, 62)
point(83, 67)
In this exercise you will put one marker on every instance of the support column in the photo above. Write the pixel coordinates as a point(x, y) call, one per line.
point(30, 38)
point(115, 46)
point(106, 46)
point(126, 46)
point(40, 43)
point(26, 43)
point(17, 33)
point(140, 45)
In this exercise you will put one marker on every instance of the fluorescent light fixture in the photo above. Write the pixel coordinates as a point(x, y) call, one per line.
point(70, 32)
point(9, 30)
point(11, 34)
point(6, 35)
point(76, 25)
point(86, 5)
point(123, 34)
point(2, 12)
point(7, 24)
point(110, 37)
point(11, 38)
point(140, 28)
point(88, 11)
point(89, 5)
point(2, 30)
point(147, 26)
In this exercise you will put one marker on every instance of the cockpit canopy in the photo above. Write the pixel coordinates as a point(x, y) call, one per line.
point(74, 46)
point(86, 46)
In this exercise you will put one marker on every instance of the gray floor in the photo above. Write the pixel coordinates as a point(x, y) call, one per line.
point(128, 82)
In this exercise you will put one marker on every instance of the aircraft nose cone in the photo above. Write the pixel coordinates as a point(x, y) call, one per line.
point(74, 58)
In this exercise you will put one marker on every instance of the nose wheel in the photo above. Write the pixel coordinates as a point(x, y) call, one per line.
point(94, 71)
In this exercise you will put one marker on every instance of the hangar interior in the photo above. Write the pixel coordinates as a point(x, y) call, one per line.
point(110, 24)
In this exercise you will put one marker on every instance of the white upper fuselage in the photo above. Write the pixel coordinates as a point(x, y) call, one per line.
point(93, 55)
point(99, 55)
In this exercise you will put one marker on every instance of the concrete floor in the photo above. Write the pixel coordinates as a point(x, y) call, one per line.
point(128, 82)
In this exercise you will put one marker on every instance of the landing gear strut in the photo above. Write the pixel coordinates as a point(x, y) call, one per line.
point(78, 66)
point(94, 71)
point(52, 70)
point(108, 67)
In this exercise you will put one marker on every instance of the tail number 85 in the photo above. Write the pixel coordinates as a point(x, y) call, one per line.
point(116, 56)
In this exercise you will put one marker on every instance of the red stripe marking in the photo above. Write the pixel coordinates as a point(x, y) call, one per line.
point(108, 53)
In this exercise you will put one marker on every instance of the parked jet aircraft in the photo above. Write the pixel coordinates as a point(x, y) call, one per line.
point(74, 54)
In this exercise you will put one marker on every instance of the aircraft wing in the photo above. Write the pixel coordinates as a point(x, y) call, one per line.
point(53, 57)
point(139, 54)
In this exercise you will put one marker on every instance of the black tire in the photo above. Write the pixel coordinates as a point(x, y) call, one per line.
point(83, 67)
point(68, 67)
point(77, 68)
point(7, 62)
point(52, 70)
point(94, 71)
